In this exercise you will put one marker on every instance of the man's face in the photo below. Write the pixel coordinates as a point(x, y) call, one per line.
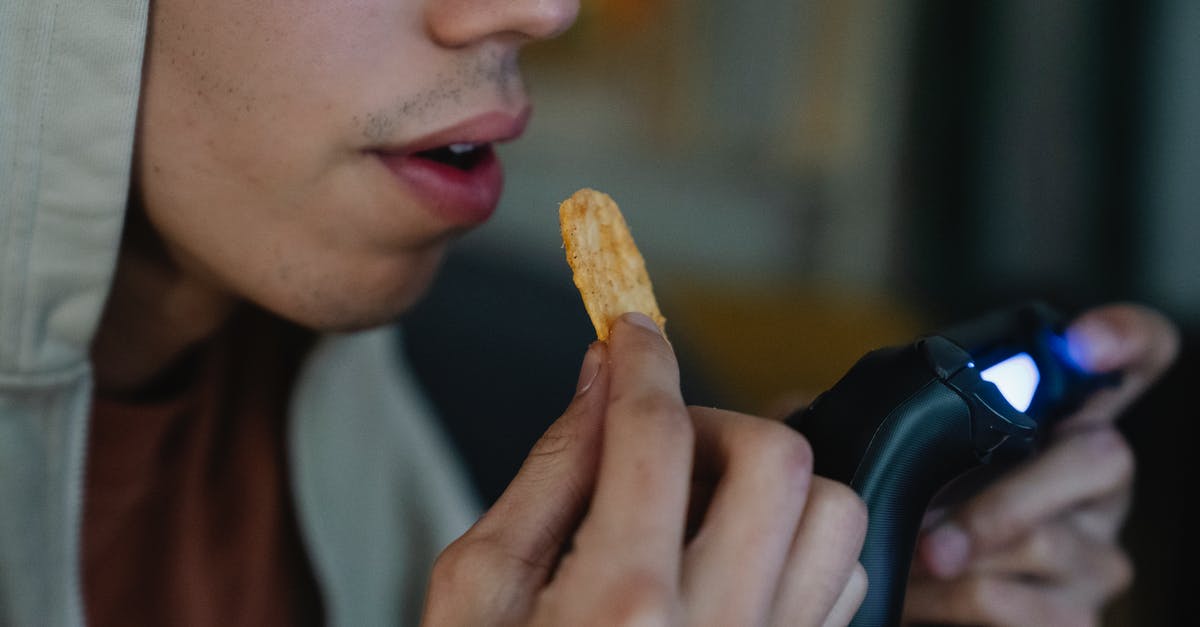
point(316, 156)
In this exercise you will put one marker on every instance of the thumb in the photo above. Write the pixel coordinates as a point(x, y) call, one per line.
point(538, 511)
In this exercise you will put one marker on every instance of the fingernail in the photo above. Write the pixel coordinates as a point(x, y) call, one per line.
point(1093, 344)
point(642, 320)
point(589, 370)
point(951, 547)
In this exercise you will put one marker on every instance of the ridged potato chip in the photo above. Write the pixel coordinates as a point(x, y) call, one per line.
point(609, 271)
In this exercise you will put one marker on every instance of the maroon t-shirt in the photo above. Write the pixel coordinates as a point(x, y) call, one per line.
point(188, 514)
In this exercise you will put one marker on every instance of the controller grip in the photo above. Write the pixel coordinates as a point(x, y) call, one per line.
point(916, 443)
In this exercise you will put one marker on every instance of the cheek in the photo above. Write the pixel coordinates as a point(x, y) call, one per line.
point(241, 70)
point(251, 176)
point(313, 246)
point(237, 90)
point(314, 283)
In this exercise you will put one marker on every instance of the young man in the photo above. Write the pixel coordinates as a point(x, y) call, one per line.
point(211, 212)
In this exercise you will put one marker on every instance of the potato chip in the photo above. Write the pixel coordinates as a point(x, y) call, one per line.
point(609, 271)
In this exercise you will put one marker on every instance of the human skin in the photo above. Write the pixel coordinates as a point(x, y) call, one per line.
point(1040, 546)
point(257, 172)
point(258, 178)
point(592, 529)
point(265, 173)
point(258, 129)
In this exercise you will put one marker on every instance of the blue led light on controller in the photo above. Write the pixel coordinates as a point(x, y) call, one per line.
point(1060, 347)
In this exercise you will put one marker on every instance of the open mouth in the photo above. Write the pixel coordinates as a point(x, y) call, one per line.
point(464, 156)
point(461, 181)
point(454, 171)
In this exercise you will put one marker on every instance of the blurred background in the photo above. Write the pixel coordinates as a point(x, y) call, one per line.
point(812, 179)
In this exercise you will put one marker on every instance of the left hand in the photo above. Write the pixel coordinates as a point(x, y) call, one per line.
point(1039, 546)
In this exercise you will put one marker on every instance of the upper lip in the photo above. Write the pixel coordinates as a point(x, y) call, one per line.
point(490, 127)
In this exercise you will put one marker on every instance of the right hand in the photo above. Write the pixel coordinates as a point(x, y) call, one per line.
point(634, 509)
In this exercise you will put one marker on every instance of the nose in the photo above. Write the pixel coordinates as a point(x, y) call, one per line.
point(457, 23)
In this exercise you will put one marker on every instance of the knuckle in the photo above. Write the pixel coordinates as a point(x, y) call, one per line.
point(842, 505)
point(1120, 456)
point(1045, 547)
point(859, 581)
point(781, 449)
point(466, 564)
point(979, 597)
point(993, 523)
point(648, 403)
point(1110, 454)
point(1078, 617)
point(641, 600)
point(664, 411)
point(554, 441)
point(1118, 573)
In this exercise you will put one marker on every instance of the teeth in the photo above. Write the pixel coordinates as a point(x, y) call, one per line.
point(462, 149)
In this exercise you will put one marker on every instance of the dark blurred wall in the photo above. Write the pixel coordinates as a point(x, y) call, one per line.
point(1021, 165)
point(1170, 161)
point(1052, 150)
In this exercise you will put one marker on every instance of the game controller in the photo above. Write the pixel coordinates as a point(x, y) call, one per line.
point(906, 421)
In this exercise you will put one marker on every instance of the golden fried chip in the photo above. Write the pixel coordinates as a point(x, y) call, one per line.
point(609, 271)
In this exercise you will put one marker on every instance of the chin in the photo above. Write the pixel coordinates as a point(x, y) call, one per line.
point(361, 300)
point(347, 311)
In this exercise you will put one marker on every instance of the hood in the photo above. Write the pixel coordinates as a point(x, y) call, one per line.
point(69, 82)
point(69, 78)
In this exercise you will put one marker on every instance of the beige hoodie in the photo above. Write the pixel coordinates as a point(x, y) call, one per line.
point(379, 492)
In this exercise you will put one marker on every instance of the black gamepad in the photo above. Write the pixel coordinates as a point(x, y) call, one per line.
point(906, 421)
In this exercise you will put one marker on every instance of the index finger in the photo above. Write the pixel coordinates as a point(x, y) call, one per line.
point(639, 508)
point(1085, 467)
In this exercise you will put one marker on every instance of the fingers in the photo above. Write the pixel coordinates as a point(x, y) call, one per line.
point(767, 545)
point(1087, 467)
point(1138, 341)
point(502, 560)
point(852, 597)
point(1064, 560)
point(732, 563)
point(775, 542)
point(983, 600)
point(638, 511)
point(1122, 336)
point(823, 582)
point(1055, 575)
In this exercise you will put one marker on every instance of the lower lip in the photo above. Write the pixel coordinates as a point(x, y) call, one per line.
point(463, 197)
